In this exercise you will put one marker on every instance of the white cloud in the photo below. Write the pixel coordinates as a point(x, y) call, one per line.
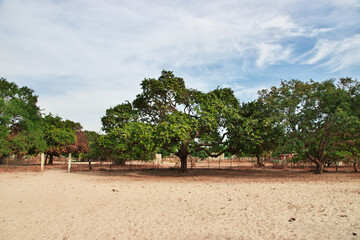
point(105, 48)
point(337, 54)
point(272, 54)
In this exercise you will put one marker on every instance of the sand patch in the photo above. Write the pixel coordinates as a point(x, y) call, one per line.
point(143, 205)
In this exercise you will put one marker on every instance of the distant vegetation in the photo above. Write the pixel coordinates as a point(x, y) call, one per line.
point(315, 121)
point(25, 131)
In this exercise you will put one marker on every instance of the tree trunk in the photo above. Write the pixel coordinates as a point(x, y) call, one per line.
point(183, 154)
point(355, 167)
point(90, 165)
point(183, 159)
point(120, 162)
point(51, 160)
point(336, 166)
point(259, 161)
point(319, 163)
point(319, 168)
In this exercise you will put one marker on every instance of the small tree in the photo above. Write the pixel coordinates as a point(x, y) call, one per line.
point(258, 130)
point(60, 136)
point(81, 145)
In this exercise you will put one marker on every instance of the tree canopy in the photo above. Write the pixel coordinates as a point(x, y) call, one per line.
point(170, 116)
point(316, 121)
point(318, 117)
point(20, 121)
point(63, 137)
point(257, 130)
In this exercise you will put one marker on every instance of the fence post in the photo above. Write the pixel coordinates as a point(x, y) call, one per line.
point(158, 159)
point(42, 161)
point(69, 163)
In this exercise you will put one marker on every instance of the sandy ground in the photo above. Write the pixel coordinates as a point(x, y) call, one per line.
point(169, 205)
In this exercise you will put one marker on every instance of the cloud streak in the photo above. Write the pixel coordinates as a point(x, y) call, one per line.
point(82, 57)
point(337, 54)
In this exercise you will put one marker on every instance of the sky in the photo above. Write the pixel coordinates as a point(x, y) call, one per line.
point(82, 57)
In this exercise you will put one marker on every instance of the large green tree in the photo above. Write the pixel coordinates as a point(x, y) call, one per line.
point(170, 116)
point(21, 132)
point(349, 141)
point(318, 117)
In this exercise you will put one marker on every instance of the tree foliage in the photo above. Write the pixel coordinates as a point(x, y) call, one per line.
point(96, 149)
point(257, 132)
point(118, 116)
point(318, 117)
point(20, 121)
point(317, 121)
point(170, 116)
point(61, 137)
point(81, 145)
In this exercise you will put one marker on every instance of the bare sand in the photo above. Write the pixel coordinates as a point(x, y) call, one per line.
point(169, 205)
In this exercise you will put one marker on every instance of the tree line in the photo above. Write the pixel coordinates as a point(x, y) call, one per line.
point(314, 121)
point(25, 131)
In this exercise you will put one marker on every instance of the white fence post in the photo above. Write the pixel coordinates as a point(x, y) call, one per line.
point(42, 160)
point(69, 163)
point(158, 159)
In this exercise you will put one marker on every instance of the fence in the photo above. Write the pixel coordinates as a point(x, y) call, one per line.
point(171, 162)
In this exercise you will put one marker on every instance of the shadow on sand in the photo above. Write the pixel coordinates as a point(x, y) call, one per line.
point(146, 172)
point(245, 174)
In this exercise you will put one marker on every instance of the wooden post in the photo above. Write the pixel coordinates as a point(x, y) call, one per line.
point(158, 159)
point(42, 160)
point(69, 163)
point(90, 164)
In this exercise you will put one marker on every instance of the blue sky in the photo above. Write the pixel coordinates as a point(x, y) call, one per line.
point(84, 56)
